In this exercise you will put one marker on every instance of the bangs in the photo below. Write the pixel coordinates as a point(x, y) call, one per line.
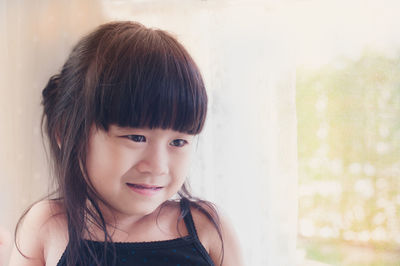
point(149, 81)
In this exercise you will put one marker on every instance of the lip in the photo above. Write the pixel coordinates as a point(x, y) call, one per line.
point(144, 189)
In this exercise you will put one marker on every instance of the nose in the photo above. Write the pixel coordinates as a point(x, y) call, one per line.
point(154, 161)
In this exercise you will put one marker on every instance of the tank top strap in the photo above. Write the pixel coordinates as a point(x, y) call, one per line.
point(188, 218)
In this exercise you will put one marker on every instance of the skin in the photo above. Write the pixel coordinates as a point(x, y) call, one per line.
point(155, 157)
point(5, 244)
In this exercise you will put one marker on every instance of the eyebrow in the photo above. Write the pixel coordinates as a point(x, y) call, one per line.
point(127, 130)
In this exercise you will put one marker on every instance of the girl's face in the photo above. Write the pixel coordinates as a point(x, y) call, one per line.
point(136, 170)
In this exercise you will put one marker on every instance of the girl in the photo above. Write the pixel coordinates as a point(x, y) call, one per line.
point(121, 118)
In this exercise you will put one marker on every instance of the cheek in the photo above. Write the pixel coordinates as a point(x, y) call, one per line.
point(182, 165)
point(106, 164)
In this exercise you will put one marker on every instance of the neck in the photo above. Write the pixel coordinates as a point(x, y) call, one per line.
point(119, 225)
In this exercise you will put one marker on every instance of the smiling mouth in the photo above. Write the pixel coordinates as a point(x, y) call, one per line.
point(143, 186)
point(144, 189)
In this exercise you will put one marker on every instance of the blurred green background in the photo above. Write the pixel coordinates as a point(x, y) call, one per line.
point(349, 160)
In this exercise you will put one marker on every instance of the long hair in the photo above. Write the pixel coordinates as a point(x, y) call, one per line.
point(125, 74)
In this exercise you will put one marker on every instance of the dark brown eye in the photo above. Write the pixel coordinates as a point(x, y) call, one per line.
point(178, 142)
point(136, 138)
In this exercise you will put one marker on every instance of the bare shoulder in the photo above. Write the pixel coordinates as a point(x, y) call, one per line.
point(210, 238)
point(39, 223)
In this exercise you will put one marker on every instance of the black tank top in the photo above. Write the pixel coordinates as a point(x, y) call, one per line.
point(184, 251)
